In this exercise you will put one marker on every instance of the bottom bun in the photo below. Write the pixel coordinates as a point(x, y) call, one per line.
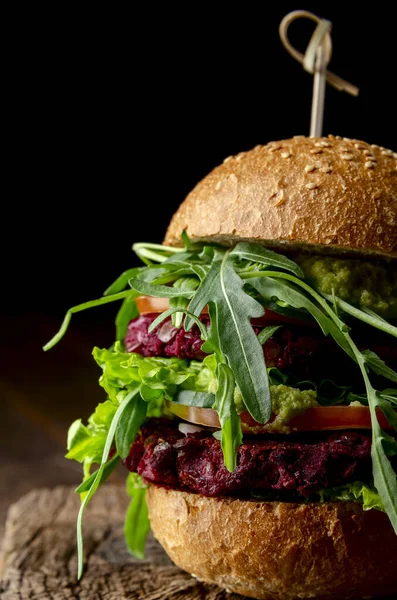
point(277, 550)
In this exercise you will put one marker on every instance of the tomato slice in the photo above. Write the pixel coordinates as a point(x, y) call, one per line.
point(317, 418)
point(150, 304)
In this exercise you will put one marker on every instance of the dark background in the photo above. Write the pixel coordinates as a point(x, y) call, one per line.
point(113, 117)
point(117, 116)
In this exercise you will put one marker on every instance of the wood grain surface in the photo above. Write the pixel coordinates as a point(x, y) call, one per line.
point(39, 560)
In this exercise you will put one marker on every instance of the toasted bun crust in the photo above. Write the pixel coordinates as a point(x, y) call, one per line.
point(336, 194)
point(276, 550)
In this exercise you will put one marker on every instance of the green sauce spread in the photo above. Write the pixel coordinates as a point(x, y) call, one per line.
point(370, 285)
point(287, 402)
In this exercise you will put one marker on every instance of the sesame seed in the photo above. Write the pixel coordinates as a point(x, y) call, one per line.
point(274, 148)
point(387, 153)
point(240, 156)
point(227, 159)
point(347, 156)
point(374, 146)
point(371, 158)
point(311, 185)
point(326, 169)
point(257, 147)
point(346, 139)
point(369, 165)
point(366, 152)
point(359, 146)
point(309, 168)
point(279, 198)
point(285, 154)
point(394, 154)
point(298, 137)
point(338, 137)
point(316, 151)
point(218, 185)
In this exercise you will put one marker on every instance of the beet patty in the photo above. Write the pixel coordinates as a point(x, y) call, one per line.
point(165, 456)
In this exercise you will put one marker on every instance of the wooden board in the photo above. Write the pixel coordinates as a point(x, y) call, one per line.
point(39, 559)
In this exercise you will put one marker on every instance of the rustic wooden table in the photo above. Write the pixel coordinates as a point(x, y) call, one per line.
point(40, 562)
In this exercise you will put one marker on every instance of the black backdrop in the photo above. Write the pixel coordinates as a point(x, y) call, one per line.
point(116, 115)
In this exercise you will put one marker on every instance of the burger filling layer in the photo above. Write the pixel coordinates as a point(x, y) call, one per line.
point(294, 465)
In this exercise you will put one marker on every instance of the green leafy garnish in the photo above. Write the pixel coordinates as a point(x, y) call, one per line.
point(236, 285)
point(97, 480)
point(136, 524)
point(352, 492)
point(108, 469)
point(223, 288)
point(232, 436)
point(255, 253)
point(131, 420)
point(267, 333)
point(80, 307)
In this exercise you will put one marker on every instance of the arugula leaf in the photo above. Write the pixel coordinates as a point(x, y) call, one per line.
point(329, 393)
point(277, 377)
point(157, 252)
point(388, 411)
point(205, 291)
point(160, 291)
point(130, 421)
point(390, 395)
point(326, 318)
point(75, 309)
point(96, 481)
point(136, 524)
point(232, 436)
point(379, 366)
point(128, 311)
point(367, 316)
point(122, 281)
point(267, 333)
point(255, 253)
point(170, 311)
point(224, 288)
point(108, 469)
point(184, 283)
point(269, 287)
point(212, 343)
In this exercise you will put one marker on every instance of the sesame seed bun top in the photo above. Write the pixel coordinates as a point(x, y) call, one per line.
point(329, 193)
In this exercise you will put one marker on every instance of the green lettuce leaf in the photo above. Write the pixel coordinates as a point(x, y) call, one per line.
point(86, 443)
point(353, 492)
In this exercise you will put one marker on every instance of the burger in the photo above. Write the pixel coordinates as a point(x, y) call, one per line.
point(251, 390)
